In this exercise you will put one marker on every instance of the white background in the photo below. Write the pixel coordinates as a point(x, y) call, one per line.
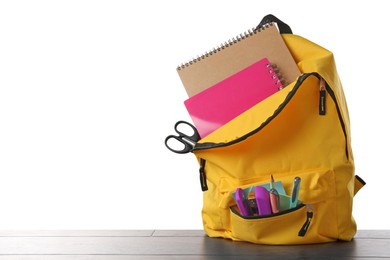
point(89, 91)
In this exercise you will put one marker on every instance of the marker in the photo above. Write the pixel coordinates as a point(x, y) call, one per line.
point(274, 197)
point(262, 201)
point(242, 203)
point(295, 192)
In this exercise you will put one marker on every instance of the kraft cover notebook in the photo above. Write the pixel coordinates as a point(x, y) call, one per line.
point(237, 54)
point(218, 104)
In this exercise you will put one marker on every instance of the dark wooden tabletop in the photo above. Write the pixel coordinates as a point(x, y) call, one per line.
point(175, 244)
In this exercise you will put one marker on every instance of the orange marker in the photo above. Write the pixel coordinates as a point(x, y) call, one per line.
point(274, 197)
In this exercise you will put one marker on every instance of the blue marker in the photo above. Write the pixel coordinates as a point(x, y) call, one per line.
point(295, 192)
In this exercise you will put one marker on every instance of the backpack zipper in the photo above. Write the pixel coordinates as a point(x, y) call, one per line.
point(333, 96)
point(202, 175)
point(309, 216)
point(324, 88)
point(322, 103)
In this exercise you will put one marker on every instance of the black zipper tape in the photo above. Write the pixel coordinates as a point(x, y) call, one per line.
point(267, 216)
point(333, 96)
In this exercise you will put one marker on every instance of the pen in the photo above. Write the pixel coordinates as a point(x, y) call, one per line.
point(274, 197)
point(295, 192)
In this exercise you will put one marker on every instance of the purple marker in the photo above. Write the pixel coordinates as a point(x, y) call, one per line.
point(262, 201)
point(242, 203)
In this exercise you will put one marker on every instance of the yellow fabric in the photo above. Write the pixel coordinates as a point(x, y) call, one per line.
point(296, 142)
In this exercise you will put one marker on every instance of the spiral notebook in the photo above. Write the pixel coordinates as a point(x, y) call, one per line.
point(218, 104)
point(237, 54)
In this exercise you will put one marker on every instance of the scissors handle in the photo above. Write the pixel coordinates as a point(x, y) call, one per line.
point(188, 140)
point(186, 149)
point(195, 137)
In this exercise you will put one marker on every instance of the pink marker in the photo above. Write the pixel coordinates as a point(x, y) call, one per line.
point(274, 197)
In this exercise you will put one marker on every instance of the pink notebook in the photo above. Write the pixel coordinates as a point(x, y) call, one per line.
point(218, 104)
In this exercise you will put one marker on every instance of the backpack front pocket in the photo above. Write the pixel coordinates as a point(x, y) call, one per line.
point(282, 228)
point(311, 221)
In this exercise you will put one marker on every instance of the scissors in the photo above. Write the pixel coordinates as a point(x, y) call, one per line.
point(187, 140)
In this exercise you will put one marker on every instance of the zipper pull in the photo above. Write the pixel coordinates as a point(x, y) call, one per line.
point(309, 216)
point(322, 105)
point(202, 173)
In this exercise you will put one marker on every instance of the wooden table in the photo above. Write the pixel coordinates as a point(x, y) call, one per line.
point(175, 244)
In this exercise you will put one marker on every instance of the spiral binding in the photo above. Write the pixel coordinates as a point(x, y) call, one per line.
point(227, 44)
point(275, 75)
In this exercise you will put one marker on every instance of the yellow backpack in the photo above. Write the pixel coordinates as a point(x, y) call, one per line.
point(301, 131)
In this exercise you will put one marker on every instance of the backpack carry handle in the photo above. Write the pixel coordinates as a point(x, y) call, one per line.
point(283, 27)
